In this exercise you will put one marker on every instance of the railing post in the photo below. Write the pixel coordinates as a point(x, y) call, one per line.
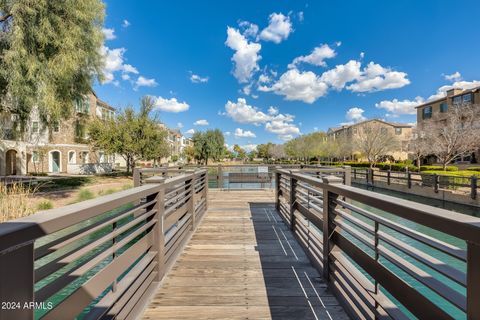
point(292, 200)
point(388, 176)
point(191, 200)
point(354, 174)
point(17, 282)
point(277, 190)
point(409, 180)
point(347, 175)
point(473, 187)
point(220, 177)
point(158, 232)
point(473, 280)
point(136, 177)
point(327, 225)
point(205, 189)
point(435, 182)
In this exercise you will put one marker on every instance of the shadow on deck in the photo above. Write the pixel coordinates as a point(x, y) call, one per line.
point(243, 263)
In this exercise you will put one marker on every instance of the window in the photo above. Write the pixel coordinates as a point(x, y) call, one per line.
point(398, 131)
point(82, 105)
point(101, 157)
point(467, 98)
point(56, 126)
point(80, 132)
point(383, 130)
point(84, 156)
point(443, 107)
point(427, 112)
point(35, 157)
point(72, 159)
point(35, 126)
point(457, 100)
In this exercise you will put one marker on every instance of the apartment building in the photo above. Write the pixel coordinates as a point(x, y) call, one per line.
point(61, 148)
point(402, 131)
point(437, 110)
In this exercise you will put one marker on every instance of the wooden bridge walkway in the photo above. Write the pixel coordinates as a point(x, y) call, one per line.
point(243, 263)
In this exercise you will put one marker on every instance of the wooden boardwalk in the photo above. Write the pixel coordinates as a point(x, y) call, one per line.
point(243, 263)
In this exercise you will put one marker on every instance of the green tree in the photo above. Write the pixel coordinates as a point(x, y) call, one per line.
point(49, 54)
point(188, 153)
point(209, 145)
point(264, 150)
point(239, 152)
point(135, 136)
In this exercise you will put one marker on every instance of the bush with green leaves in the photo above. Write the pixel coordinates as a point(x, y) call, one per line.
point(45, 205)
point(430, 168)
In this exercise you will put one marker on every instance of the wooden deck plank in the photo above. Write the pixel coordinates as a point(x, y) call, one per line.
point(243, 263)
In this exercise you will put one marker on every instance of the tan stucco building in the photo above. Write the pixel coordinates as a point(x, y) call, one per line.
point(402, 131)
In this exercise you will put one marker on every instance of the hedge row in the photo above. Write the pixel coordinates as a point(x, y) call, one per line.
point(383, 166)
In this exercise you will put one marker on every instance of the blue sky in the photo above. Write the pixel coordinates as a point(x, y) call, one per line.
point(269, 70)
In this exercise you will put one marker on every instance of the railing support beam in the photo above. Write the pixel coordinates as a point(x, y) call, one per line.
point(473, 280)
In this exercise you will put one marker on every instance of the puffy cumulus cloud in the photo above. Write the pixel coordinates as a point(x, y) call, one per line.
point(109, 33)
point(317, 57)
point(246, 55)
point(453, 77)
point(240, 133)
point(241, 112)
point(397, 107)
point(195, 78)
point(126, 23)
point(355, 115)
point(278, 29)
point(114, 62)
point(283, 127)
point(179, 125)
point(273, 111)
point(442, 91)
point(201, 122)
point(190, 131)
point(339, 76)
point(144, 82)
point(248, 147)
point(374, 77)
point(248, 29)
point(275, 122)
point(170, 105)
point(295, 85)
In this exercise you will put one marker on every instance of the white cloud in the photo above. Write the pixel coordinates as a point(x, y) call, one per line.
point(397, 107)
point(296, 85)
point(339, 76)
point(374, 77)
point(241, 112)
point(283, 126)
point(278, 29)
point(273, 111)
point(109, 33)
point(201, 122)
point(264, 78)
point(127, 68)
point(246, 55)
point(301, 16)
point(442, 91)
point(170, 105)
point(144, 82)
point(249, 29)
point(227, 133)
point(275, 122)
point(190, 131)
point(179, 125)
point(453, 77)
point(240, 133)
point(195, 78)
point(317, 57)
point(355, 115)
point(126, 23)
point(249, 147)
point(114, 62)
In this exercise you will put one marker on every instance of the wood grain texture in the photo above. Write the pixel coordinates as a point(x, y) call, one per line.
point(243, 263)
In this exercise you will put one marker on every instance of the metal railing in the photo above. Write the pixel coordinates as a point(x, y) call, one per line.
point(101, 258)
point(465, 185)
point(384, 257)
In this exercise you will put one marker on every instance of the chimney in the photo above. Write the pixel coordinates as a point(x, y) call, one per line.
point(454, 92)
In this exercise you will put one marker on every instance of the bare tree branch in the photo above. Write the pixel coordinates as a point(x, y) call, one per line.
point(5, 17)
